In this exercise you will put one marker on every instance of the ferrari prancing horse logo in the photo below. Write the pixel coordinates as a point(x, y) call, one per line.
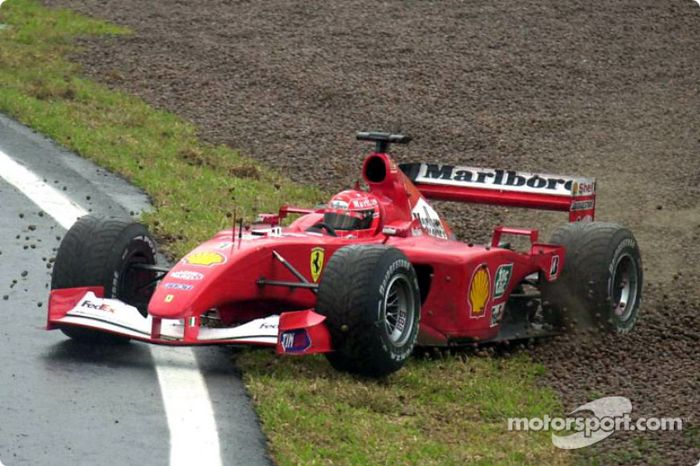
point(317, 255)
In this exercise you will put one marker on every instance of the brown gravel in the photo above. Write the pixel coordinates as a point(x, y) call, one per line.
point(607, 88)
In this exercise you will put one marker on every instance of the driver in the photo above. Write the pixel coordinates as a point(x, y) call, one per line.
point(353, 212)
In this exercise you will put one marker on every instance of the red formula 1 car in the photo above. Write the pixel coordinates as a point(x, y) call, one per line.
point(364, 279)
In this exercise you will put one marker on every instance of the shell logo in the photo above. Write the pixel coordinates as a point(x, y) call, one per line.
point(205, 258)
point(479, 291)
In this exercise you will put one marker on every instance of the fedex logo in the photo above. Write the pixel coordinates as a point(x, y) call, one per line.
point(98, 307)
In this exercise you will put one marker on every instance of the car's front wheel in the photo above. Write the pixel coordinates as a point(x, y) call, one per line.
point(370, 297)
point(100, 251)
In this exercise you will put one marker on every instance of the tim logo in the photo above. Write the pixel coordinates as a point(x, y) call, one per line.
point(287, 340)
point(295, 341)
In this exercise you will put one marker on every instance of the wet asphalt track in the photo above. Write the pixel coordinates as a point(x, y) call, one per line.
point(62, 403)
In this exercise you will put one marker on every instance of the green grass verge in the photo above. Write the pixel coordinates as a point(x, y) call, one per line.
point(446, 411)
point(449, 411)
point(194, 186)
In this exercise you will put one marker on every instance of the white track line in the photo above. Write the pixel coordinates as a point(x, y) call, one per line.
point(194, 437)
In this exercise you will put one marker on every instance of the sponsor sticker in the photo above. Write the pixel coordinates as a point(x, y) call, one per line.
point(265, 325)
point(497, 313)
point(582, 188)
point(316, 260)
point(98, 307)
point(205, 258)
point(178, 286)
point(506, 180)
point(479, 292)
point(190, 275)
point(429, 219)
point(295, 341)
point(169, 298)
point(362, 203)
point(500, 283)
point(554, 267)
point(581, 205)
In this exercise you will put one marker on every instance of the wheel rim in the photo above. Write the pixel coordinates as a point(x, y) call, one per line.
point(624, 292)
point(398, 310)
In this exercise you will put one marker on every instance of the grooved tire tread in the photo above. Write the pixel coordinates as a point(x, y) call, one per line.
point(581, 294)
point(346, 298)
point(84, 259)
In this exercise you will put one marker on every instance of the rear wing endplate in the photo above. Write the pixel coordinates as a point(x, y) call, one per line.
point(575, 195)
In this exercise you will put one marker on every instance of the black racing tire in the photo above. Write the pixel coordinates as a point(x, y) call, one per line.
point(98, 251)
point(601, 283)
point(370, 297)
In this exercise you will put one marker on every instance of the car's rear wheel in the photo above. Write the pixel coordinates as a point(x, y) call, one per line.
point(601, 283)
point(100, 251)
point(370, 297)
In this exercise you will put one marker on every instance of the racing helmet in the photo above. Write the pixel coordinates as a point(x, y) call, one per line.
point(352, 210)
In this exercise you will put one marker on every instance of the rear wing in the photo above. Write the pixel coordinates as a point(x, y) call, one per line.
point(505, 187)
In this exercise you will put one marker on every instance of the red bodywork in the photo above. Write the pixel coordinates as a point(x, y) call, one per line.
point(241, 274)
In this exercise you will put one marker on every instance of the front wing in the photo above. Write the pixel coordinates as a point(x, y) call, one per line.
point(298, 332)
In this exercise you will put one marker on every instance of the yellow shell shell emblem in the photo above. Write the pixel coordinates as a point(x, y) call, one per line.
point(479, 291)
point(317, 255)
point(206, 258)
